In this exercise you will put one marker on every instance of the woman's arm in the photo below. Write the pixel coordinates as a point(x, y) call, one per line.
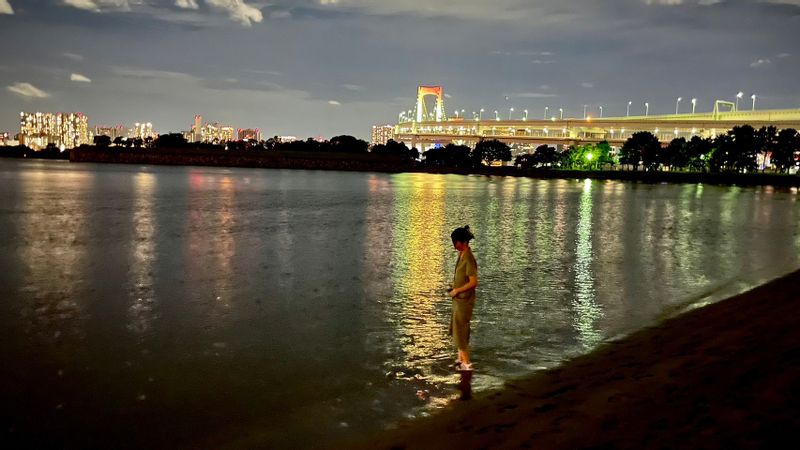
point(471, 284)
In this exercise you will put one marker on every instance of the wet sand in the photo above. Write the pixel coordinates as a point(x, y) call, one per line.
point(723, 376)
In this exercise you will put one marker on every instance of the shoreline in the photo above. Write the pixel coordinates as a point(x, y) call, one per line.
point(719, 376)
point(387, 164)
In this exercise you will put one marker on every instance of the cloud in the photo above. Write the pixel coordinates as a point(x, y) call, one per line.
point(99, 5)
point(535, 95)
point(760, 63)
point(587, 85)
point(353, 87)
point(280, 14)
point(238, 10)
point(187, 4)
point(134, 72)
point(79, 78)
point(543, 61)
point(72, 56)
point(5, 7)
point(334, 103)
point(27, 90)
point(783, 55)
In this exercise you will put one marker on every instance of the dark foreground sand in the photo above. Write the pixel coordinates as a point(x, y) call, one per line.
point(723, 376)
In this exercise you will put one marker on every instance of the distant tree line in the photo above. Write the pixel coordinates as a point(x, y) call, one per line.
point(737, 151)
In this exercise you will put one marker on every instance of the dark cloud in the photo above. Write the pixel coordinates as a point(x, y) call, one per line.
point(161, 62)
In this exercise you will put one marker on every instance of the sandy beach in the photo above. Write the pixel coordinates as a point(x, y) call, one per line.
point(722, 376)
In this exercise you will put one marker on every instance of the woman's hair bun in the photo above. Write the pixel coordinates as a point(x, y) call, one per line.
point(462, 234)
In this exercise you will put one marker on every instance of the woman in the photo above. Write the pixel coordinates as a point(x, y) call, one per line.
point(463, 295)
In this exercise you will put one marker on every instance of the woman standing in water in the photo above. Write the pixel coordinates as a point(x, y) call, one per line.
point(465, 281)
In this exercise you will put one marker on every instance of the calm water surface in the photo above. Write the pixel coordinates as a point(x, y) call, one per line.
point(180, 307)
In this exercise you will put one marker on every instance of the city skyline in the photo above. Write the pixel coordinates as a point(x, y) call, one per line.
point(311, 68)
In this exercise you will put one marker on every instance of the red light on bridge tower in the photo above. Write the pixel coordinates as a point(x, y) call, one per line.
point(425, 91)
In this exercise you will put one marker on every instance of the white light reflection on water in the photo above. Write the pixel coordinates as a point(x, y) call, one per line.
point(142, 309)
point(586, 310)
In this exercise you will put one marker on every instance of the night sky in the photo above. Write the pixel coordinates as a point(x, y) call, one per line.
point(330, 67)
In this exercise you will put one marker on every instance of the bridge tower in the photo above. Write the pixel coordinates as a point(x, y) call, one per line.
point(421, 112)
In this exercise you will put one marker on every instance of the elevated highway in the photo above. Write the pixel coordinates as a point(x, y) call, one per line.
point(523, 134)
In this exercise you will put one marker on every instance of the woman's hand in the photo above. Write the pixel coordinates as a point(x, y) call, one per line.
point(452, 293)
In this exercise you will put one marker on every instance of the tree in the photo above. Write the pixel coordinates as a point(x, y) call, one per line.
point(138, 142)
point(449, 156)
point(676, 155)
point(602, 152)
point(786, 145)
point(641, 146)
point(348, 144)
point(743, 149)
point(766, 141)
point(102, 141)
point(395, 149)
point(491, 151)
point(171, 140)
point(698, 151)
point(118, 141)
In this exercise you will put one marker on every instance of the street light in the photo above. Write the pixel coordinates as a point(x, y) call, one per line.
point(496, 115)
point(628, 113)
point(584, 110)
point(754, 101)
point(526, 115)
point(546, 108)
point(694, 105)
point(480, 114)
point(561, 112)
point(646, 109)
point(738, 96)
point(677, 104)
point(601, 111)
point(510, 110)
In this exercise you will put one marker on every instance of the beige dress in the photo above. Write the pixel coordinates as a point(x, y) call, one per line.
point(466, 267)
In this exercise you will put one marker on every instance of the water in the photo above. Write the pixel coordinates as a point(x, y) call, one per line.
point(182, 307)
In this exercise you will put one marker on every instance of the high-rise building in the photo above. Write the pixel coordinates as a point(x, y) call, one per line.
point(249, 134)
point(141, 131)
point(382, 133)
point(197, 129)
point(64, 130)
point(112, 131)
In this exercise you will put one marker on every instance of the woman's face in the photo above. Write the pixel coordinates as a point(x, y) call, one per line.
point(458, 245)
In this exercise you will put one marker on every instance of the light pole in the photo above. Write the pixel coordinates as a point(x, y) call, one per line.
point(628, 112)
point(738, 96)
point(510, 110)
point(546, 109)
point(601, 111)
point(646, 109)
point(694, 105)
point(584, 110)
point(526, 115)
point(480, 115)
point(677, 105)
point(561, 112)
point(754, 101)
point(496, 115)
point(456, 114)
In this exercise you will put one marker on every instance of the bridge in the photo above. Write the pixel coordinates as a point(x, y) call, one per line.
point(424, 130)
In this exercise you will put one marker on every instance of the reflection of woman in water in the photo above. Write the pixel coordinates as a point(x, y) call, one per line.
point(463, 293)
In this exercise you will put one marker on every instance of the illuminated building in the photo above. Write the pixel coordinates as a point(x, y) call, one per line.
point(4, 138)
point(215, 133)
point(249, 134)
point(285, 139)
point(382, 133)
point(112, 131)
point(197, 129)
point(141, 131)
point(64, 130)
